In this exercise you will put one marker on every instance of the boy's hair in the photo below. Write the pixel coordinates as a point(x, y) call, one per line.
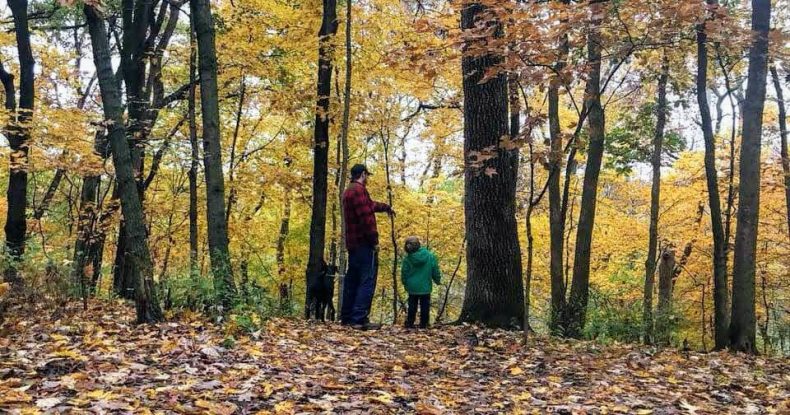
point(412, 244)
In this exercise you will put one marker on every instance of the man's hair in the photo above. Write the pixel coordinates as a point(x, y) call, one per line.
point(412, 244)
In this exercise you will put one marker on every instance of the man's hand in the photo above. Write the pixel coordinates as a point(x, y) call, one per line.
point(391, 212)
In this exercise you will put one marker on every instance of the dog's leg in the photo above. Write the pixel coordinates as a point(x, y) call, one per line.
point(331, 310)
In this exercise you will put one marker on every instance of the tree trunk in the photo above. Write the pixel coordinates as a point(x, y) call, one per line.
point(720, 290)
point(145, 297)
point(783, 140)
point(742, 327)
point(88, 215)
point(343, 155)
point(494, 291)
point(580, 285)
point(556, 213)
point(194, 164)
point(390, 197)
point(18, 134)
point(218, 242)
point(283, 236)
point(321, 142)
point(655, 201)
point(664, 313)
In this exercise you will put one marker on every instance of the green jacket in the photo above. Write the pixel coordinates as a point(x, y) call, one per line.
point(419, 270)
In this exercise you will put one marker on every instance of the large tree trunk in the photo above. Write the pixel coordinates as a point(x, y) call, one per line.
point(18, 134)
point(556, 213)
point(655, 201)
point(212, 153)
point(666, 272)
point(720, 290)
point(783, 140)
point(321, 142)
point(131, 207)
point(194, 164)
point(580, 284)
point(494, 291)
point(742, 327)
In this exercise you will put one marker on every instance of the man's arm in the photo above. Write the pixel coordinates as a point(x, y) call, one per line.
point(381, 207)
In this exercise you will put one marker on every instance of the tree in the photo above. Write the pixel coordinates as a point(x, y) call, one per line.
point(145, 36)
point(742, 326)
point(655, 200)
point(131, 207)
point(494, 292)
point(720, 290)
point(666, 274)
point(783, 140)
point(212, 153)
point(556, 211)
point(321, 142)
point(194, 159)
point(342, 153)
point(18, 133)
point(580, 284)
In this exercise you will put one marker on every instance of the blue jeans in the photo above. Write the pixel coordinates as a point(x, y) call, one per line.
point(359, 286)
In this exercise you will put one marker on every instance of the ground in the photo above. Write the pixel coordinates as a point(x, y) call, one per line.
point(97, 361)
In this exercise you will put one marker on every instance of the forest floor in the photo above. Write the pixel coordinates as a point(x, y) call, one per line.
point(97, 361)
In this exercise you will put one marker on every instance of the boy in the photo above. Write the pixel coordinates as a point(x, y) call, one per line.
point(418, 273)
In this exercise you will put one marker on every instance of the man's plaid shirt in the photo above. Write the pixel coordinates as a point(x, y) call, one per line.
point(360, 211)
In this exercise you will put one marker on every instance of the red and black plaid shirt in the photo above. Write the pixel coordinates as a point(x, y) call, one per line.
point(360, 211)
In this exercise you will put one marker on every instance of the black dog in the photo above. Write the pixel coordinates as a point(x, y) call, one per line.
point(320, 293)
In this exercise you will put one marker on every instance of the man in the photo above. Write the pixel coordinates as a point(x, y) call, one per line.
point(362, 240)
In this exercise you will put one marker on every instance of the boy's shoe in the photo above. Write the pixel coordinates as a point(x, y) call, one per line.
point(366, 326)
point(409, 326)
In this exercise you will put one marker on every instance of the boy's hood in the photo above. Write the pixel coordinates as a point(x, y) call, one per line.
point(420, 257)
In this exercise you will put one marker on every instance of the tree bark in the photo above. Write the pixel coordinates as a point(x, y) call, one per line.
point(494, 291)
point(321, 141)
point(194, 163)
point(218, 242)
point(655, 201)
point(783, 140)
point(742, 327)
point(18, 134)
point(720, 290)
point(666, 270)
point(145, 297)
point(580, 284)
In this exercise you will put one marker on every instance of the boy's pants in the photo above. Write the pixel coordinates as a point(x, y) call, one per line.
point(359, 286)
point(425, 310)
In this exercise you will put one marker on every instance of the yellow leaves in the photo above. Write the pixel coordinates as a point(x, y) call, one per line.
point(283, 408)
point(515, 371)
point(382, 397)
point(4, 288)
point(15, 396)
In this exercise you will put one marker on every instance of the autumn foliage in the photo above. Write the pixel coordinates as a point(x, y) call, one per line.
point(193, 163)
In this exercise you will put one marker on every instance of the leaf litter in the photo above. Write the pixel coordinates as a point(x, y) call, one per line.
point(99, 362)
